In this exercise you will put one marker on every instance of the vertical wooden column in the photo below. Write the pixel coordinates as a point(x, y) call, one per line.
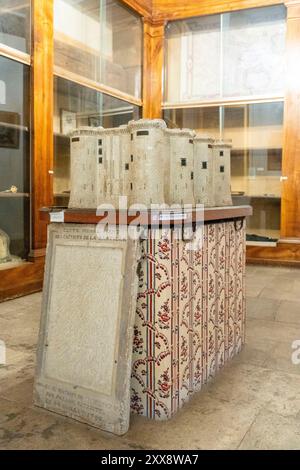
point(153, 69)
point(42, 118)
point(290, 212)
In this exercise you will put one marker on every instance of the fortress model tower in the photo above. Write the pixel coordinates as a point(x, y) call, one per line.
point(147, 160)
point(126, 168)
point(149, 164)
point(87, 180)
point(222, 173)
point(204, 190)
point(181, 166)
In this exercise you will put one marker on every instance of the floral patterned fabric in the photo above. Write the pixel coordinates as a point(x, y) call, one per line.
point(190, 317)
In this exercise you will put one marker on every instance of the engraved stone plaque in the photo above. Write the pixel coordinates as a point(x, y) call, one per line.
point(85, 343)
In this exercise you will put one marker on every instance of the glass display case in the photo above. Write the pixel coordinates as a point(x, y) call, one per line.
point(15, 24)
point(256, 131)
point(75, 106)
point(224, 76)
point(225, 56)
point(14, 162)
point(99, 40)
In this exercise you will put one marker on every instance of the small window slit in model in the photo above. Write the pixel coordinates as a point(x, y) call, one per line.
point(183, 162)
point(222, 169)
point(126, 166)
point(142, 133)
point(204, 165)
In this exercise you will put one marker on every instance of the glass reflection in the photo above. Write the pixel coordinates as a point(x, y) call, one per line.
point(100, 40)
point(15, 24)
point(76, 106)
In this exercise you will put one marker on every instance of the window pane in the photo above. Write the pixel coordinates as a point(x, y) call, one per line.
point(256, 163)
point(100, 40)
point(256, 156)
point(14, 156)
point(193, 59)
point(76, 106)
point(15, 24)
point(253, 52)
point(204, 120)
point(227, 55)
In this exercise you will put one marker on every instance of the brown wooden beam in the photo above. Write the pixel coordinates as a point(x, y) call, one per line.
point(290, 212)
point(179, 9)
point(42, 115)
point(143, 7)
point(153, 69)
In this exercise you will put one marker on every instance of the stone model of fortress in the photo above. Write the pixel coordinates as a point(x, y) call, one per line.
point(149, 164)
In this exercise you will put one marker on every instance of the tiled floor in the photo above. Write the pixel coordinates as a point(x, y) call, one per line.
point(253, 404)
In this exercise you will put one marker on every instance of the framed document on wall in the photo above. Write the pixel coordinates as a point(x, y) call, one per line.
point(9, 130)
point(67, 121)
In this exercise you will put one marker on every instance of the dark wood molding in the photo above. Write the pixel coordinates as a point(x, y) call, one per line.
point(283, 254)
point(22, 280)
point(89, 216)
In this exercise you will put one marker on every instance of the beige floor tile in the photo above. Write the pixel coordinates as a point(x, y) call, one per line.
point(9, 411)
point(34, 428)
point(20, 390)
point(254, 402)
point(276, 293)
point(271, 431)
point(253, 287)
point(281, 393)
point(271, 330)
point(288, 312)
point(263, 309)
point(240, 384)
point(280, 358)
point(257, 351)
point(16, 360)
point(204, 423)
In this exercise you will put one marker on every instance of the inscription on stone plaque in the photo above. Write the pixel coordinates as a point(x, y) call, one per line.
point(85, 343)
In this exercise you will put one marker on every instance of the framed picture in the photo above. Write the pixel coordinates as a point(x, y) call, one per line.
point(67, 121)
point(274, 160)
point(9, 130)
point(94, 121)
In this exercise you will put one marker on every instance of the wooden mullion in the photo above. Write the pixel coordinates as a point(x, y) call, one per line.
point(41, 116)
point(153, 69)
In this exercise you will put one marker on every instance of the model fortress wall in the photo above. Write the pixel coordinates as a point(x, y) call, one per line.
point(149, 164)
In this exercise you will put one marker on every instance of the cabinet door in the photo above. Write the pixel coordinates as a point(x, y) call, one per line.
point(14, 161)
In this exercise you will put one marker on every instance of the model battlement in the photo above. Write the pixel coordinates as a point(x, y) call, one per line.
point(149, 164)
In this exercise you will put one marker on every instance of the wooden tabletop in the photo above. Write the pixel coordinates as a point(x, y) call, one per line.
point(154, 218)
